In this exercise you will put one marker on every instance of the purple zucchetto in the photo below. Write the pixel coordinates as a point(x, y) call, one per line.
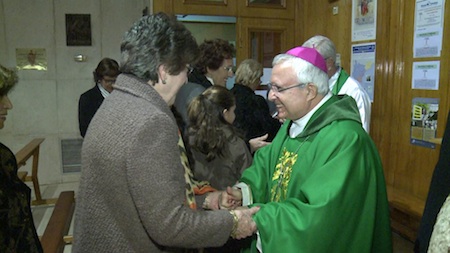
point(310, 55)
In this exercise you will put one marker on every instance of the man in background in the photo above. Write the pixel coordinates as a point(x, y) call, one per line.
point(341, 82)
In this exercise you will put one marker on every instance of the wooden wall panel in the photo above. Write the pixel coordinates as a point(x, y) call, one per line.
point(412, 170)
point(164, 6)
point(316, 17)
point(385, 73)
point(445, 72)
point(199, 7)
point(266, 10)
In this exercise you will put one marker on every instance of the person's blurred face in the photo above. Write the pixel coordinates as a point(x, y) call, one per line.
point(5, 105)
point(229, 115)
point(174, 83)
point(256, 83)
point(291, 103)
point(107, 82)
point(221, 75)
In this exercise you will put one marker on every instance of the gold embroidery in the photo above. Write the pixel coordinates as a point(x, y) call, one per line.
point(282, 174)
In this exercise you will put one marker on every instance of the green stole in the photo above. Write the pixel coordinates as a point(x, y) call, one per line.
point(283, 170)
point(343, 76)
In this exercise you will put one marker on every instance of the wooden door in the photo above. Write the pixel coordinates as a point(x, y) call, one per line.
point(205, 7)
point(279, 9)
point(255, 33)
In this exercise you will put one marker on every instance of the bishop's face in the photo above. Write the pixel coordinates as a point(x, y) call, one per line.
point(289, 96)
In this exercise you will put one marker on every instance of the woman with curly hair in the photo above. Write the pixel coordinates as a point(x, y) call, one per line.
point(213, 66)
point(220, 154)
point(215, 63)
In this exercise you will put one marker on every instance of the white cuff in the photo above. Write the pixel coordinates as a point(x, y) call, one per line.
point(246, 193)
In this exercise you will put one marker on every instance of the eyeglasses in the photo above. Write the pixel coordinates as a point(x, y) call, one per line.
point(277, 89)
point(229, 68)
point(189, 68)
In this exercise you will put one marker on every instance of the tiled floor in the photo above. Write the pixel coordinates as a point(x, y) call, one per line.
point(42, 214)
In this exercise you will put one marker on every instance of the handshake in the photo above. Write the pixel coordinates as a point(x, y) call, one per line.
point(231, 199)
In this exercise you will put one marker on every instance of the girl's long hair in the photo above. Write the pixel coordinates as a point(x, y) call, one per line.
point(207, 122)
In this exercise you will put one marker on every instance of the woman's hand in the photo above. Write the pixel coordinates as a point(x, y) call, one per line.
point(258, 142)
point(244, 224)
point(230, 199)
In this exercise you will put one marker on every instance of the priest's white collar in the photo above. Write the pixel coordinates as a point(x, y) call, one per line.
point(299, 125)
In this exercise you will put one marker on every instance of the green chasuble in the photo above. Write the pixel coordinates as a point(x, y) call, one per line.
point(323, 191)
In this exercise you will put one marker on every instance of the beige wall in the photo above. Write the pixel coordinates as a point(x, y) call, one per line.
point(46, 102)
point(202, 31)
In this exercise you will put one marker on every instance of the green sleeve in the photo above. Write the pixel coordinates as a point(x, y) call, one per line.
point(260, 172)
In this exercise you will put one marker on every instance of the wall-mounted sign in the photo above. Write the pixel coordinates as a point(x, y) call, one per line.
point(364, 20)
point(363, 66)
point(426, 75)
point(31, 59)
point(78, 30)
point(428, 28)
point(424, 121)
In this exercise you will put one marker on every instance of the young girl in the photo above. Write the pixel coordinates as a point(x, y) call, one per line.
point(220, 154)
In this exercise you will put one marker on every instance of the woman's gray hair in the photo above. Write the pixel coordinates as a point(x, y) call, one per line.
point(248, 72)
point(323, 45)
point(8, 79)
point(306, 72)
point(157, 40)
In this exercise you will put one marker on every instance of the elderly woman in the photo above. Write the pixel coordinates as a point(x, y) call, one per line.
point(252, 111)
point(17, 231)
point(136, 192)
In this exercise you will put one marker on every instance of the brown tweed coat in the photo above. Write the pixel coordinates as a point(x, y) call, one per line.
point(132, 188)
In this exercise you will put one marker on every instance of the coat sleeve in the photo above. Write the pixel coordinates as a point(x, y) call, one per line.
point(84, 115)
point(157, 182)
point(243, 158)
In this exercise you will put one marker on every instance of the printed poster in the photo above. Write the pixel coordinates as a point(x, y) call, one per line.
point(363, 66)
point(31, 59)
point(425, 75)
point(424, 116)
point(428, 28)
point(364, 20)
